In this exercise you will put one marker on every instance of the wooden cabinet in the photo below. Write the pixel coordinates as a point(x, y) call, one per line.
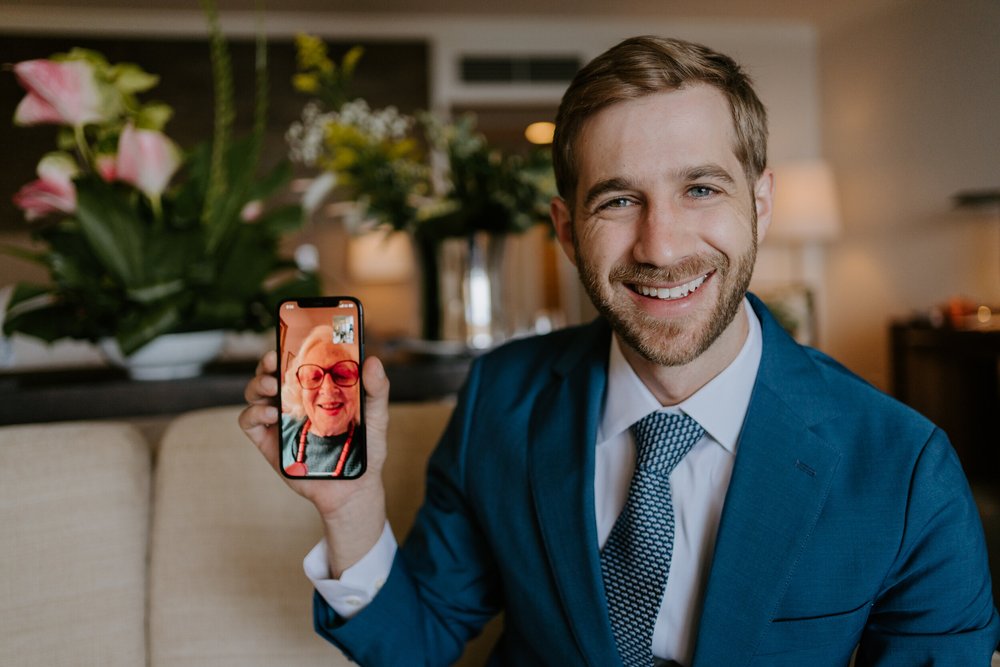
point(953, 377)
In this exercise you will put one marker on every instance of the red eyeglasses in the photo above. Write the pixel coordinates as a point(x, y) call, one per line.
point(343, 373)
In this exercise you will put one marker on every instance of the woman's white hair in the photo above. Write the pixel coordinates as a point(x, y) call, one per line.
point(291, 391)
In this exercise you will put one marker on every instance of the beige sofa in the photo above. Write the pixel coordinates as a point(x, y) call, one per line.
point(185, 551)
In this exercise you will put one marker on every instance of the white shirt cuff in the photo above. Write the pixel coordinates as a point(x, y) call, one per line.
point(359, 583)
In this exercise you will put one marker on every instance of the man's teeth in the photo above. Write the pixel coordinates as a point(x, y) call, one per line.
point(671, 292)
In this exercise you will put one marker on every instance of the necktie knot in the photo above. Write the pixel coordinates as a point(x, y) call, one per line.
point(662, 439)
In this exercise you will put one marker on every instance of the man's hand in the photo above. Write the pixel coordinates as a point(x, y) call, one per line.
point(353, 511)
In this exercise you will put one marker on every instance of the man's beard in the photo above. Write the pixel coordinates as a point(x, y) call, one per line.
point(660, 341)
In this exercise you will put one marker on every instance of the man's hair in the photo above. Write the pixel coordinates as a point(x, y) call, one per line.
point(643, 66)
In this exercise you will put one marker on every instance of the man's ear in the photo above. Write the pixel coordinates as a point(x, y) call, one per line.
point(763, 199)
point(562, 222)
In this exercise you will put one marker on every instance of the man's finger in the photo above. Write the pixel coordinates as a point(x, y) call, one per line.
point(268, 363)
point(259, 423)
point(261, 389)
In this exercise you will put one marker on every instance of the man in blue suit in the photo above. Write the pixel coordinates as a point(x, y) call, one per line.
point(809, 516)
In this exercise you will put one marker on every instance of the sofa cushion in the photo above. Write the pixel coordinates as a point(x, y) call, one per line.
point(74, 506)
point(226, 580)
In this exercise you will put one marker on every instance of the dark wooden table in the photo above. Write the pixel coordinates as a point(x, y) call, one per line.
point(104, 393)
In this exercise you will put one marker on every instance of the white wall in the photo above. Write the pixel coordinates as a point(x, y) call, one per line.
point(911, 115)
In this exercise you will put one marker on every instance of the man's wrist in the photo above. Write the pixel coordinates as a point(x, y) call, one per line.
point(358, 584)
point(353, 528)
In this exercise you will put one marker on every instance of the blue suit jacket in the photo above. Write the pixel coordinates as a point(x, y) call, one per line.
point(848, 520)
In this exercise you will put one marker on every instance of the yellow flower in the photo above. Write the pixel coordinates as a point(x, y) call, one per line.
point(351, 59)
point(338, 134)
point(402, 149)
point(305, 83)
point(311, 51)
point(343, 159)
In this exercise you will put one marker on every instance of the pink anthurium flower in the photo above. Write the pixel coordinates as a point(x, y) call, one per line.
point(60, 92)
point(53, 192)
point(147, 159)
point(107, 167)
point(252, 211)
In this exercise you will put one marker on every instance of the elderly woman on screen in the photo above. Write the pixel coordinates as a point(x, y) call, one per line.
point(320, 399)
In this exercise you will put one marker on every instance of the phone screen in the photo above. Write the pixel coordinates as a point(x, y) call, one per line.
point(320, 352)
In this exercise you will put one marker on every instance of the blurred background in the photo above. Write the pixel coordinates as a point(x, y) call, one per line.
point(897, 98)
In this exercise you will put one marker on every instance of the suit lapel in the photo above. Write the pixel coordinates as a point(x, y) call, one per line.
point(564, 431)
point(780, 481)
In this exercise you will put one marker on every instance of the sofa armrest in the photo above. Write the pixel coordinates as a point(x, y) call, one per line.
point(74, 506)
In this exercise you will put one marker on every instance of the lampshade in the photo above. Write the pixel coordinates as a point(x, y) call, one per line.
point(805, 203)
point(380, 257)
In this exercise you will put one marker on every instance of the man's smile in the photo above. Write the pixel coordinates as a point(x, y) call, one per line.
point(670, 293)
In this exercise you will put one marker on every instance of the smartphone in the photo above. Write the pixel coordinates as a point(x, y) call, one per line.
point(321, 398)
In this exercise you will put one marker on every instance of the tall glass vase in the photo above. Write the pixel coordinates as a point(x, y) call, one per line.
point(463, 290)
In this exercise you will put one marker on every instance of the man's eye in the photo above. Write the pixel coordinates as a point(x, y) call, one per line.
point(701, 191)
point(618, 202)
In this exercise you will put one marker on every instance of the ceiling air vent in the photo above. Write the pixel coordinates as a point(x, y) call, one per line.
point(529, 69)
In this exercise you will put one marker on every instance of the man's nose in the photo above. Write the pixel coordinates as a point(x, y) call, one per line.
point(662, 236)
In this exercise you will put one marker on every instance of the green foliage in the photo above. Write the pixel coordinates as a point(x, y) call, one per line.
point(486, 190)
point(431, 177)
point(117, 272)
point(122, 265)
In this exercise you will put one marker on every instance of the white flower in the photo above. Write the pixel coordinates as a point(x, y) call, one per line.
point(305, 137)
point(317, 191)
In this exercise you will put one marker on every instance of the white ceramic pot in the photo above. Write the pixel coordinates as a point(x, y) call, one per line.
point(168, 357)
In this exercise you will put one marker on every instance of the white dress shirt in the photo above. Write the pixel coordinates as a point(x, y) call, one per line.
point(698, 488)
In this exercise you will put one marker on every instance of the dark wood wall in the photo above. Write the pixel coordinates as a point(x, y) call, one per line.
point(391, 72)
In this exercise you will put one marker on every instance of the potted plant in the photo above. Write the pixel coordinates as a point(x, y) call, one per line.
point(141, 239)
point(437, 179)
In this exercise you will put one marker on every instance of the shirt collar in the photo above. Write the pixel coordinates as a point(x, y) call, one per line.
point(719, 407)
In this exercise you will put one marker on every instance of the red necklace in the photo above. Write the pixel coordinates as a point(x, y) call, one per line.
point(299, 468)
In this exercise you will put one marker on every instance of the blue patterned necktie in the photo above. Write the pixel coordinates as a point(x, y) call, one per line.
point(635, 561)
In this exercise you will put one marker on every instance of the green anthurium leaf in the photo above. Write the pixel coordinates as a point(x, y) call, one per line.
point(217, 314)
point(33, 256)
point(272, 182)
point(65, 139)
point(172, 255)
point(281, 220)
point(26, 298)
point(249, 261)
point(154, 116)
point(46, 322)
point(241, 166)
point(112, 229)
point(37, 310)
point(72, 273)
point(129, 78)
point(25, 291)
point(71, 260)
point(134, 332)
point(151, 293)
